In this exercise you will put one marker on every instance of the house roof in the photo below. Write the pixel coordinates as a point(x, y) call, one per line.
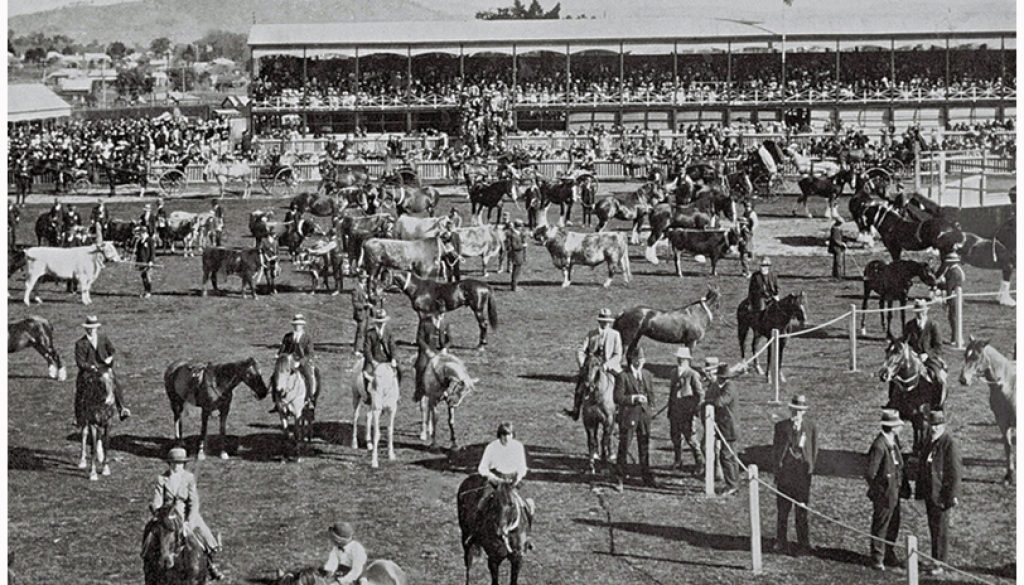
point(34, 101)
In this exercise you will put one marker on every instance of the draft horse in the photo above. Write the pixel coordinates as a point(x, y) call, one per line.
point(899, 234)
point(685, 326)
point(892, 282)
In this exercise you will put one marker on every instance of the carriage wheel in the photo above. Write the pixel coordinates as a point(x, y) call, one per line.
point(882, 175)
point(283, 183)
point(894, 166)
point(80, 186)
point(767, 187)
point(172, 182)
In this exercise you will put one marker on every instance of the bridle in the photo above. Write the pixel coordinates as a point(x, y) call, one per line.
point(890, 371)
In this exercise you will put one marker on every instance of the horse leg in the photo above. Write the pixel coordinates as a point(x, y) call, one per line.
point(493, 565)
point(30, 283)
point(592, 445)
point(782, 348)
point(611, 272)
point(1008, 448)
point(451, 427)
point(374, 463)
point(82, 463)
point(424, 416)
point(369, 429)
point(101, 454)
point(356, 403)
point(93, 476)
point(864, 307)
point(515, 560)
point(391, 433)
point(753, 351)
point(224, 433)
point(201, 452)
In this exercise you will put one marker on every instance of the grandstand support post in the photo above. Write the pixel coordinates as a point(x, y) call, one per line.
point(709, 451)
point(515, 68)
point(959, 307)
point(942, 176)
point(774, 367)
point(912, 560)
point(755, 519)
point(853, 337)
point(917, 168)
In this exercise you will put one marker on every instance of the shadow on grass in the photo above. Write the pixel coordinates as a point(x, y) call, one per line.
point(830, 462)
point(727, 542)
point(665, 560)
point(565, 378)
point(546, 464)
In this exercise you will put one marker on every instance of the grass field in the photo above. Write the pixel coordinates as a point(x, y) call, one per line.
point(65, 529)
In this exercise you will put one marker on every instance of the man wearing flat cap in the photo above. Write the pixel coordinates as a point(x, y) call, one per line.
point(938, 483)
point(347, 559)
point(685, 395)
point(888, 482)
point(794, 452)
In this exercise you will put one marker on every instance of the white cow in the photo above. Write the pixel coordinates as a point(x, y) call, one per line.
point(408, 227)
point(82, 264)
point(485, 241)
point(568, 249)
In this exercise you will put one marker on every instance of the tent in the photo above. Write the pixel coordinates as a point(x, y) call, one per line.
point(34, 101)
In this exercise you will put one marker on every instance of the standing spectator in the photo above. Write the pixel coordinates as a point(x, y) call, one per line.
point(144, 254)
point(634, 398)
point(685, 395)
point(939, 484)
point(720, 396)
point(888, 482)
point(837, 248)
point(361, 307)
point(516, 244)
point(218, 221)
point(794, 452)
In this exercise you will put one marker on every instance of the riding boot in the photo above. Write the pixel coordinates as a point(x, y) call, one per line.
point(211, 565)
point(577, 403)
point(122, 410)
point(677, 455)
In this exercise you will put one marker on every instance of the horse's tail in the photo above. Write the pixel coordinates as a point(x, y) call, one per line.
point(492, 311)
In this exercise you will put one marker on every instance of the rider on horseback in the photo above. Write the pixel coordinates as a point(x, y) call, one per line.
point(603, 343)
point(923, 337)
point(177, 487)
point(503, 461)
point(298, 344)
point(379, 347)
point(764, 287)
point(92, 352)
point(347, 558)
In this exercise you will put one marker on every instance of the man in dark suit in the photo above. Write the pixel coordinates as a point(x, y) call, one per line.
point(379, 346)
point(938, 484)
point(93, 352)
point(837, 247)
point(888, 481)
point(148, 220)
point(634, 399)
point(720, 396)
point(924, 338)
point(794, 452)
point(431, 338)
point(516, 245)
point(361, 307)
point(218, 219)
point(685, 395)
point(144, 255)
point(299, 345)
point(764, 287)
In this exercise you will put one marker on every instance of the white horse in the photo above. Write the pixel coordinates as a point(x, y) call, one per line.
point(295, 411)
point(1001, 375)
point(230, 171)
point(380, 395)
point(445, 379)
point(810, 167)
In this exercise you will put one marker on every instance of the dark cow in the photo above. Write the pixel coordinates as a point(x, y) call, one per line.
point(354, 230)
point(292, 238)
point(121, 232)
point(421, 257)
point(248, 264)
point(714, 244)
point(664, 216)
point(571, 248)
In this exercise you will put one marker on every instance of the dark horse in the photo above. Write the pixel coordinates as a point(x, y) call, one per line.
point(598, 412)
point(892, 282)
point(292, 239)
point(94, 407)
point(565, 195)
point(428, 296)
point(998, 252)
point(865, 190)
point(777, 315)
point(900, 234)
point(49, 232)
point(316, 204)
point(828, 187)
point(210, 387)
point(910, 392)
point(491, 196)
point(685, 326)
point(169, 554)
point(37, 333)
point(500, 527)
point(664, 216)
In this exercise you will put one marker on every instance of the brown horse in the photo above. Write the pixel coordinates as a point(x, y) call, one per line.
point(37, 333)
point(598, 411)
point(892, 282)
point(685, 326)
point(910, 392)
point(316, 204)
point(210, 387)
point(171, 555)
point(998, 252)
point(500, 526)
point(1000, 374)
point(778, 315)
point(428, 296)
point(664, 216)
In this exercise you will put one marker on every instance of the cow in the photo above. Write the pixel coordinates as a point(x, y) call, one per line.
point(180, 227)
point(486, 241)
point(421, 257)
point(83, 264)
point(249, 264)
point(408, 227)
point(205, 230)
point(570, 248)
point(713, 244)
point(120, 232)
point(356, 229)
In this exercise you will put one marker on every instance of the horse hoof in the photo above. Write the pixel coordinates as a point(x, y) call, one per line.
point(391, 456)
point(82, 464)
point(565, 285)
point(224, 455)
point(374, 464)
point(106, 470)
point(423, 436)
point(201, 455)
point(93, 476)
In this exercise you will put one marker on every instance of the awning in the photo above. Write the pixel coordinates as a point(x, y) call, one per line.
point(34, 101)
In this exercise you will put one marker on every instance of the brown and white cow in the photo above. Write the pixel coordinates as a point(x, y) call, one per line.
point(82, 263)
point(568, 249)
point(181, 227)
point(485, 242)
point(421, 257)
point(408, 227)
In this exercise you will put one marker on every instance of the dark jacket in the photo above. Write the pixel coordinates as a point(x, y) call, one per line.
point(940, 471)
point(924, 340)
point(516, 244)
point(626, 386)
point(835, 240)
point(886, 473)
point(87, 357)
point(762, 289)
point(379, 348)
point(720, 396)
point(301, 350)
point(360, 302)
point(144, 253)
point(685, 393)
point(788, 454)
point(430, 338)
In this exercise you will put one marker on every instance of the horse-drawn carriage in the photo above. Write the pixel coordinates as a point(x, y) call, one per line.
point(277, 176)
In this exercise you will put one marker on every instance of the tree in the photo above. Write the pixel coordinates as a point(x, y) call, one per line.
point(117, 50)
point(222, 43)
point(35, 55)
point(175, 77)
point(518, 12)
point(554, 13)
point(133, 82)
point(534, 12)
point(160, 46)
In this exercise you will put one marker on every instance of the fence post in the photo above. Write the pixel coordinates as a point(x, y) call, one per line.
point(917, 168)
point(959, 317)
point(912, 559)
point(774, 365)
point(853, 337)
point(755, 519)
point(942, 176)
point(709, 451)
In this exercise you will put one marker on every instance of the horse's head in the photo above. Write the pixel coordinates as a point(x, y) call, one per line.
point(543, 233)
point(170, 535)
point(713, 297)
point(460, 383)
point(923, 271)
point(253, 378)
point(795, 305)
point(899, 358)
point(975, 360)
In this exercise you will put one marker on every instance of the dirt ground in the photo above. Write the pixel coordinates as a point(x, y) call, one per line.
point(65, 529)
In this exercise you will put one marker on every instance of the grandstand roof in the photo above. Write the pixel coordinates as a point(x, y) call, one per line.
point(700, 30)
point(34, 101)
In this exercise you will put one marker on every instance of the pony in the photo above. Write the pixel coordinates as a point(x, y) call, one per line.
point(900, 234)
point(296, 406)
point(446, 379)
point(376, 572)
point(490, 196)
point(94, 407)
point(37, 333)
point(380, 396)
point(892, 282)
point(1000, 374)
point(685, 326)
point(500, 527)
point(777, 315)
point(227, 172)
point(998, 252)
point(172, 554)
point(598, 412)
point(830, 187)
point(910, 392)
point(210, 387)
point(635, 210)
point(316, 204)
point(428, 296)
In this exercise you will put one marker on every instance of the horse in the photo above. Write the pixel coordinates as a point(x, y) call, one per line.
point(501, 528)
point(900, 234)
point(376, 572)
point(830, 187)
point(664, 216)
point(446, 379)
point(1000, 374)
point(227, 172)
point(892, 282)
point(380, 396)
point(48, 232)
point(715, 202)
point(491, 196)
point(37, 333)
point(178, 556)
point(778, 315)
point(411, 199)
point(685, 326)
point(809, 167)
point(598, 412)
point(865, 191)
point(210, 387)
point(316, 204)
point(428, 296)
point(292, 239)
point(94, 407)
point(998, 252)
point(336, 177)
point(910, 392)
point(296, 407)
point(635, 211)
point(565, 194)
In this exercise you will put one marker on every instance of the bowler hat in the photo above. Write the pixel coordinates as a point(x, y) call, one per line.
point(936, 417)
point(891, 418)
point(341, 531)
point(177, 455)
point(920, 306)
point(683, 353)
point(605, 315)
point(766, 261)
point(799, 402)
point(91, 322)
point(298, 319)
point(380, 316)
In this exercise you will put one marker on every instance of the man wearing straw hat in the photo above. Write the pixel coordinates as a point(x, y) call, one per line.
point(685, 395)
point(938, 483)
point(719, 395)
point(299, 345)
point(888, 482)
point(379, 346)
point(764, 287)
point(794, 452)
point(922, 334)
point(347, 558)
point(604, 344)
point(92, 352)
